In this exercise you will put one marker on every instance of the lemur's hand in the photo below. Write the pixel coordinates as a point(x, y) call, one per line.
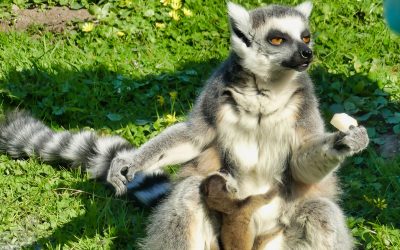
point(351, 142)
point(119, 174)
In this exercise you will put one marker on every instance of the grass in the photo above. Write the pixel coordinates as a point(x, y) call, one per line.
point(133, 77)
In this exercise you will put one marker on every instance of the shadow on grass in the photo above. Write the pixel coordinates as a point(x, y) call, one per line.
point(99, 98)
point(107, 221)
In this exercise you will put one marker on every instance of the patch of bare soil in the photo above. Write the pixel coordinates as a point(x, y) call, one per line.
point(56, 19)
point(391, 147)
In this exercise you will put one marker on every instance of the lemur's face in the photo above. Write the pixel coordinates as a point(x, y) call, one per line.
point(273, 38)
point(286, 43)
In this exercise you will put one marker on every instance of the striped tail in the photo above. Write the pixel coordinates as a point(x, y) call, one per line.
point(23, 136)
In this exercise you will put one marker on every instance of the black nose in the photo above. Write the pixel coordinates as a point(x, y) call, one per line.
point(306, 53)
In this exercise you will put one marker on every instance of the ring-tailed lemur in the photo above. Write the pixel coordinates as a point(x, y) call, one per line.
point(258, 118)
point(259, 111)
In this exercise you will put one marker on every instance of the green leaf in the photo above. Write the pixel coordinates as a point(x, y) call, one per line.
point(396, 129)
point(350, 107)
point(63, 2)
point(336, 108)
point(76, 6)
point(386, 113)
point(357, 65)
point(366, 116)
point(359, 87)
point(191, 72)
point(358, 160)
point(393, 120)
point(371, 132)
point(149, 13)
point(379, 141)
point(58, 110)
point(141, 122)
point(100, 12)
point(381, 101)
point(114, 117)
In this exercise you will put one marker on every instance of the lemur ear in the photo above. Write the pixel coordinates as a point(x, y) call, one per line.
point(305, 8)
point(239, 19)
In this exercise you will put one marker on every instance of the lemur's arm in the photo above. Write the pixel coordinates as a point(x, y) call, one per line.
point(254, 202)
point(321, 154)
point(176, 144)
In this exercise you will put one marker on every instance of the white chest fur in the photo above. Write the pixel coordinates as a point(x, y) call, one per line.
point(258, 133)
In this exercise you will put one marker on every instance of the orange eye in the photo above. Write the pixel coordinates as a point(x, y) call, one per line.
point(306, 39)
point(276, 41)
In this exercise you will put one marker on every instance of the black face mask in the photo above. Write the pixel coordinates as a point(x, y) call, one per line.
point(301, 59)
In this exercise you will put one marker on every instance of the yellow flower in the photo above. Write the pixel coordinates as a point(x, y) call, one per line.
point(165, 2)
point(176, 4)
point(173, 95)
point(160, 25)
point(87, 27)
point(120, 33)
point(160, 100)
point(187, 12)
point(170, 119)
point(126, 3)
point(174, 14)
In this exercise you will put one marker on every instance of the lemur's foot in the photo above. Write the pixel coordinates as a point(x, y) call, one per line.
point(351, 142)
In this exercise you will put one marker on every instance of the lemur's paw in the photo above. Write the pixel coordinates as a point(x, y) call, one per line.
point(116, 176)
point(231, 185)
point(131, 171)
point(353, 141)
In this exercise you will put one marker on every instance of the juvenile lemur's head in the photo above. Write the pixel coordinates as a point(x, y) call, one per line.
point(271, 38)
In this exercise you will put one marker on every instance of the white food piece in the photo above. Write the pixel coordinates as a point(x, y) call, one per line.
point(343, 122)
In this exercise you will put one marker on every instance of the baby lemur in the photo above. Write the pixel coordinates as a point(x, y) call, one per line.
point(236, 233)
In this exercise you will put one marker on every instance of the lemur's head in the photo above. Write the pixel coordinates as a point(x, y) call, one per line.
point(271, 38)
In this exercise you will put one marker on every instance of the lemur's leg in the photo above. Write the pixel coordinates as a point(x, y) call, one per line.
point(176, 144)
point(316, 224)
point(182, 221)
point(320, 155)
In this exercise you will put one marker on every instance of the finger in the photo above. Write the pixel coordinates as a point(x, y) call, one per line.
point(116, 179)
point(131, 173)
point(120, 187)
